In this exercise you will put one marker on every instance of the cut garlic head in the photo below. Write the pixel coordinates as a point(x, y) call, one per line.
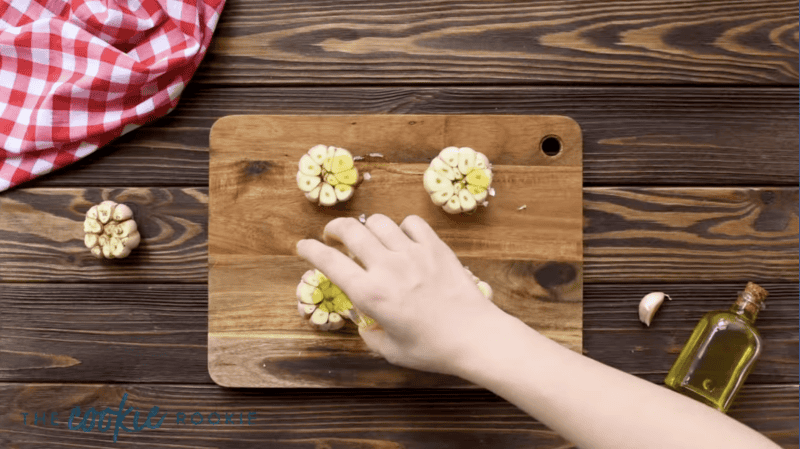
point(458, 179)
point(327, 175)
point(110, 230)
point(649, 305)
point(322, 303)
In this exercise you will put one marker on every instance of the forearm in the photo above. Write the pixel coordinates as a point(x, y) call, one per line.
point(591, 404)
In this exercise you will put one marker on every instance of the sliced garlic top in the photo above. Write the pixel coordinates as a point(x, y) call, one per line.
point(458, 179)
point(322, 303)
point(327, 175)
point(110, 230)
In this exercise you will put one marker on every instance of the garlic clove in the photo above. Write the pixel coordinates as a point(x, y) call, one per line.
point(307, 183)
point(107, 251)
point(331, 179)
point(443, 168)
point(443, 196)
point(125, 228)
point(480, 197)
point(104, 211)
point(97, 252)
point(326, 165)
point(308, 293)
point(131, 241)
point(305, 310)
point(486, 289)
point(327, 197)
point(313, 195)
point(450, 156)
point(466, 160)
point(313, 277)
point(307, 166)
point(92, 212)
point(91, 225)
point(342, 161)
point(335, 321)
point(90, 240)
point(479, 178)
point(343, 192)
point(122, 213)
point(453, 205)
point(649, 305)
point(318, 153)
point(481, 161)
point(349, 176)
point(467, 201)
point(434, 182)
point(319, 317)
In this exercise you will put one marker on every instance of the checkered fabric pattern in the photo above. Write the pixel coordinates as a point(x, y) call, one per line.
point(75, 74)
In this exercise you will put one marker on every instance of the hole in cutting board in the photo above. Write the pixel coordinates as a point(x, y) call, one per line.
point(550, 145)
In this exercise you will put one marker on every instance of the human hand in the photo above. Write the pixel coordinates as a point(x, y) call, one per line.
point(428, 310)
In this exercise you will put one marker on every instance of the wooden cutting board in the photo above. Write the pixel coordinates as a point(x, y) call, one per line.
point(527, 244)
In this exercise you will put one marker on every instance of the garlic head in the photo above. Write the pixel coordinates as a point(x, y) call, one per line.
point(458, 179)
point(110, 230)
point(327, 175)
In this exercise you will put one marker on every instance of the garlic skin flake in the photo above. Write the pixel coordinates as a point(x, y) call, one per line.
point(458, 179)
point(327, 175)
point(110, 230)
point(649, 305)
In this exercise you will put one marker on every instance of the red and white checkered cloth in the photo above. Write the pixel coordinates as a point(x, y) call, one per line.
point(76, 74)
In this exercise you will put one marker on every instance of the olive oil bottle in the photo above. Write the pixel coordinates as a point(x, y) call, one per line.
point(721, 352)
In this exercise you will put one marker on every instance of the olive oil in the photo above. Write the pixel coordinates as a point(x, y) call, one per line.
point(720, 353)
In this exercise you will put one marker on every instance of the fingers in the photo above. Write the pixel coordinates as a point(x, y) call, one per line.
point(340, 269)
point(418, 229)
point(385, 229)
point(359, 240)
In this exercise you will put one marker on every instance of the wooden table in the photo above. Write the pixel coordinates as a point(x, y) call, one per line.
point(689, 114)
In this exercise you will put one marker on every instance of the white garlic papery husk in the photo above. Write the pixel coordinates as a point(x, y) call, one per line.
point(327, 175)
point(458, 179)
point(110, 231)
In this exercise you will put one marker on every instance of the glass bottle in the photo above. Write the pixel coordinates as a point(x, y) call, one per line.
point(721, 352)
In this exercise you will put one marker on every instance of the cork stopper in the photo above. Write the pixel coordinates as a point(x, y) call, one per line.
point(751, 300)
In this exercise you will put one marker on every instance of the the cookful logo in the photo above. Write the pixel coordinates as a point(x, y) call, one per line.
point(112, 420)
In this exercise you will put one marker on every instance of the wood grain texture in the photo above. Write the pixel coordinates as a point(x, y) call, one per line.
point(41, 235)
point(726, 234)
point(255, 341)
point(669, 136)
point(648, 41)
point(158, 332)
point(351, 419)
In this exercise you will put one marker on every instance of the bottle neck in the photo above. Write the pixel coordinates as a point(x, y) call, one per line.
point(746, 307)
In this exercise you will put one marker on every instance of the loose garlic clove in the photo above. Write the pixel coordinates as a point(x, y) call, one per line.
point(649, 305)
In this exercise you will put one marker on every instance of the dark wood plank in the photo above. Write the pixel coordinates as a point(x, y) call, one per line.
point(41, 235)
point(630, 235)
point(505, 42)
point(632, 135)
point(347, 419)
point(157, 333)
point(614, 335)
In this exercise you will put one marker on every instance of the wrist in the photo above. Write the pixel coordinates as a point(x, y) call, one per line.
point(492, 344)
